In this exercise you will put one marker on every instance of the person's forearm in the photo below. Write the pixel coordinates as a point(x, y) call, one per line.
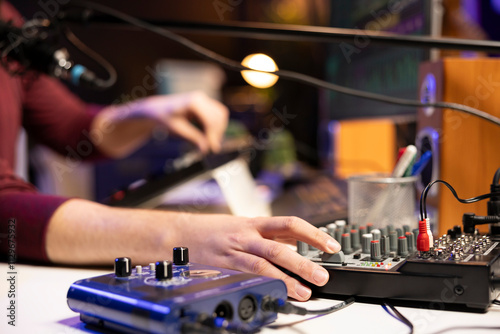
point(119, 139)
point(83, 232)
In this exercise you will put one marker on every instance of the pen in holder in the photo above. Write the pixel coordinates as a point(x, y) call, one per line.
point(382, 200)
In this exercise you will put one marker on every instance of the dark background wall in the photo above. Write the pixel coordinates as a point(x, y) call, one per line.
point(132, 51)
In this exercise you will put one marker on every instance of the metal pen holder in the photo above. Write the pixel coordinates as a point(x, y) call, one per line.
point(382, 200)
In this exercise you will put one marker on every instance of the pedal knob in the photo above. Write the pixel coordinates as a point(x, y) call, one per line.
point(365, 243)
point(181, 256)
point(163, 270)
point(375, 253)
point(123, 267)
point(346, 243)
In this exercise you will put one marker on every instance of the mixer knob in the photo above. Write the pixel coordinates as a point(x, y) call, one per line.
point(451, 233)
point(331, 228)
point(362, 230)
point(393, 238)
point(346, 243)
point(406, 228)
point(340, 223)
point(375, 250)
point(385, 245)
point(340, 229)
point(123, 267)
point(399, 232)
point(390, 228)
point(365, 242)
point(338, 257)
point(338, 233)
point(163, 270)
point(302, 248)
point(369, 227)
point(411, 242)
point(376, 234)
point(402, 246)
point(181, 256)
point(355, 243)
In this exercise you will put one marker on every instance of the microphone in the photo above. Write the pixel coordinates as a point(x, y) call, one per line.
point(30, 47)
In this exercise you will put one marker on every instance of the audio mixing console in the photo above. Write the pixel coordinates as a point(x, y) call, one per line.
point(459, 270)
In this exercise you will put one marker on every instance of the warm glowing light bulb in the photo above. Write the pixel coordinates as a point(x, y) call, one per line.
point(262, 62)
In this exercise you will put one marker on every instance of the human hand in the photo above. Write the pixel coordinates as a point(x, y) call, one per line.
point(120, 123)
point(250, 245)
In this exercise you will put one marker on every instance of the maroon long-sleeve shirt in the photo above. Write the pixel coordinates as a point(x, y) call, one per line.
point(53, 116)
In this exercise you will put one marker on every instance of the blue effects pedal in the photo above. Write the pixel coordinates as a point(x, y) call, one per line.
point(175, 297)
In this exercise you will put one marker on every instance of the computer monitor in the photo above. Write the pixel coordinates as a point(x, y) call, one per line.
point(364, 65)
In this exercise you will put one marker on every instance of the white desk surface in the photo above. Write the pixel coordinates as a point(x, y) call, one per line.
point(42, 309)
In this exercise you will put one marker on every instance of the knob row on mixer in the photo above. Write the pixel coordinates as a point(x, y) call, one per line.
point(377, 242)
point(163, 269)
point(388, 237)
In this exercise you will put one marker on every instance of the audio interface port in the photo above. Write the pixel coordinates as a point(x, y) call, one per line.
point(247, 308)
point(224, 310)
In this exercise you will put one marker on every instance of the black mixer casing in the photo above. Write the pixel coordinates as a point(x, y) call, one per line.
point(432, 283)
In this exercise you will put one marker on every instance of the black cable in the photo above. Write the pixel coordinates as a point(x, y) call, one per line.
point(496, 177)
point(302, 78)
point(112, 75)
point(423, 197)
point(496, 302)
point(281, 306)
point(397, 315)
